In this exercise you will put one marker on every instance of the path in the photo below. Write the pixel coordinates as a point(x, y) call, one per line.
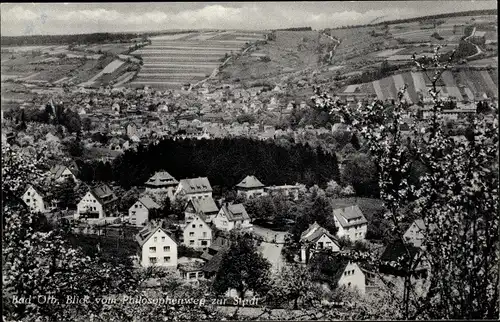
point(479, 51)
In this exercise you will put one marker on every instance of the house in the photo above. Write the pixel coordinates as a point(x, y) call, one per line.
point(316, 238)
point(415, 233)
point(139, 212)
point(232, 216)
point(61, 172)
point(156, 247)
point(395, 257)
point(116, 108)
point(191, 270)
point(195, 188)
point(131, 130)
point(212, 266)
point(287, 190)
point(35, 200)
point(348, 274)
point(250, 187)
point(206, 208)
point(351, 223)
point(197, 233)
point(98, 202)
point(162, 183)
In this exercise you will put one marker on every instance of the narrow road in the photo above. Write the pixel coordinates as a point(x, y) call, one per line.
point(479, 51)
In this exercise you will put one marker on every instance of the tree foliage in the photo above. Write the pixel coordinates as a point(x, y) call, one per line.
point(457, 198)
point(243, 268)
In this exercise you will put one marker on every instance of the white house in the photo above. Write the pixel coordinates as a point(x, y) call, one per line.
point(349, 275)
point(162, 184)
point(34, 199)
point(197, 233)
point(156, 247)
point(61, 172)
point(140, 211)
point(98, 202)
point(195, 188)
point(351, 223)
point(415, 234)
point(250, 187)
point(232, 216)
point(316, 238)
point(206, 208)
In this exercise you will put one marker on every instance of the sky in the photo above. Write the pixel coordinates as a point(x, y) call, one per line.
point(73, 18)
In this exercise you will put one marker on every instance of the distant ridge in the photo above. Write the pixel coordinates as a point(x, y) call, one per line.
point(442, 15)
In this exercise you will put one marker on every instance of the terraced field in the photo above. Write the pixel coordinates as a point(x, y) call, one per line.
point(462, 85)
point(174, 60)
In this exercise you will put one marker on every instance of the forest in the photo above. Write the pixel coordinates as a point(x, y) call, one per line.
point(224, 161)
point(94, 38)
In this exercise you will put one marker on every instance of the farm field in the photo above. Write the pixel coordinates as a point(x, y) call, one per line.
point(290, 52)
point(174, 60)
point(473, 82)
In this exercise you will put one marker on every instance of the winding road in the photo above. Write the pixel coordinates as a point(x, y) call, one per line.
point(479, 51)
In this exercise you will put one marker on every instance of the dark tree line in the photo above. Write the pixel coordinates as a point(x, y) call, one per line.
point(224, 161)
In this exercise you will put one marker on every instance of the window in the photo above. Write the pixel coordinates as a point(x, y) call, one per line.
point(201, 226)
point(152, 260)
point(191, 242)
point(204, 234)
point(152, 249)
point(192, 275)
point(155, 239)
point(166, 259)
point(163, 239)
point(166, 248)
point(28, 200)
point(191, 234)
point(135, 205)
point(194, 226)
point(204, 243)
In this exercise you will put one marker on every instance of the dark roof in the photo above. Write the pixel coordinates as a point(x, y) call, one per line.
point(149, 203)
point(235, 212)
point(103, 194)
point(395, 250)
point(250, 182)
point(349, 216)
point(213, 265)
point(336, 269)
point(196, 185)
point(205, 205)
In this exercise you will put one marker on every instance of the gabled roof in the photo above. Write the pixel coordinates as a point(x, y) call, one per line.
point(250, 182)
point(205, 205)
point(103, 194)
point(37, 190)
point(213, 265)
point(160, 179)
point(58, 170)
point(315, 232)
point(149, 203)
point(349, 216)
point(196, 185)
point(397, 249)
point(235, 212)
point(143, 236)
